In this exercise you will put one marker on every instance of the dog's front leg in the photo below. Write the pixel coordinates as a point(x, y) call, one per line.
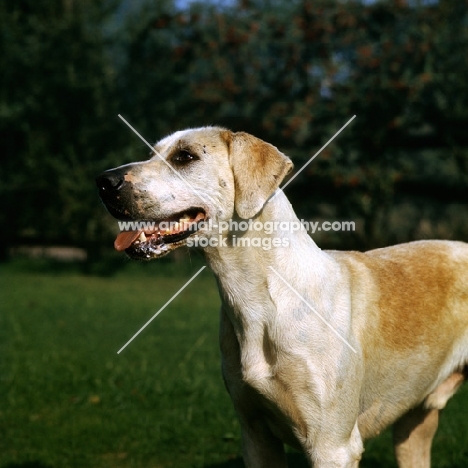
point(327, 452)
point(261, 448)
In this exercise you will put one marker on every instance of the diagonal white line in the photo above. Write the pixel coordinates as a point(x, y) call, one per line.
point(138, 134)
point(193, 189)
point(161, 309)
point(315, 155)
point(313, 310)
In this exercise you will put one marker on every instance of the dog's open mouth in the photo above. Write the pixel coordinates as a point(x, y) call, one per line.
point(157, 238)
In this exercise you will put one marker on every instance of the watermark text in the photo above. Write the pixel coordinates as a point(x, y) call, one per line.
point(267, 227)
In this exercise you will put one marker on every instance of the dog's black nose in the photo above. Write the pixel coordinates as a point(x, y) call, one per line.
point(111, 180)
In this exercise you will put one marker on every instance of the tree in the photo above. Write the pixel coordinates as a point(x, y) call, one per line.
point(59, 102)
point(291, 72)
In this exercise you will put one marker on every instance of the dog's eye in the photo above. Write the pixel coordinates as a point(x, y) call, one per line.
point(183, 157)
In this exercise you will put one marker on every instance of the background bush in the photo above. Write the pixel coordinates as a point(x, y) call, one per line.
point(290, 72)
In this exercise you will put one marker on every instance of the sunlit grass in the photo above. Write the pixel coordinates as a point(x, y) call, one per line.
point(67, 399)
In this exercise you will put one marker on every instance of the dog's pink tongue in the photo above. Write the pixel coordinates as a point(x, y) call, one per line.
point(125, 239)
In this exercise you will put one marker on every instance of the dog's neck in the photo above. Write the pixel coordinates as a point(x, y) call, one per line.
point(254, 267)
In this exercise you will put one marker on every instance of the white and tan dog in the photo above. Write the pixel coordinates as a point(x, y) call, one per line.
point(320, 349)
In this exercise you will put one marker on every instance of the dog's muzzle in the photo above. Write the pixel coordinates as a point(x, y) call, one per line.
point(116, 192)
point(149, 238)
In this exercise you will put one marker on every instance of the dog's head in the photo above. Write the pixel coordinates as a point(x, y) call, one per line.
point(194, 176)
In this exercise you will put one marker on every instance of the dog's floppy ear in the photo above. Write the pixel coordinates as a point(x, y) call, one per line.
point(258, 169)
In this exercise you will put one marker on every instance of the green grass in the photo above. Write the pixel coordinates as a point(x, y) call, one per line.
point(67, 399)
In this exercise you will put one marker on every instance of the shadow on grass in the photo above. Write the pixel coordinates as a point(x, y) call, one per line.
point(295, 460)
point(29, 464)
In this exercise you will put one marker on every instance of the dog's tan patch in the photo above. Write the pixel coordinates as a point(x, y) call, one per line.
point(414, 289)
point(408, 292)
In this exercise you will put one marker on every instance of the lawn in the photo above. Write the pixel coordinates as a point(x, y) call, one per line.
point(67, 399)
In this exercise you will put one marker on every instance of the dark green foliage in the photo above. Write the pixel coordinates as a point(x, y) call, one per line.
point(58, 107)
point(291, 72)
